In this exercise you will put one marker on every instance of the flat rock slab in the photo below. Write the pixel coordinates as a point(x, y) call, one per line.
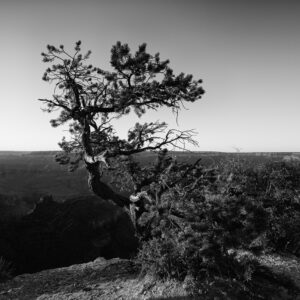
point(100, 279)
point(118, 279)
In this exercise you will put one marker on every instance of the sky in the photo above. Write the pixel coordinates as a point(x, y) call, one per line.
point(246, 52)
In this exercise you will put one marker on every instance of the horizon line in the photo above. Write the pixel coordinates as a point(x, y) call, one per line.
point(187, 151)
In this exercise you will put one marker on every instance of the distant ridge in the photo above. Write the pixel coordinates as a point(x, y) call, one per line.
point(43, 152)
point(28, 152)
point(13, 152)
point(53, 152)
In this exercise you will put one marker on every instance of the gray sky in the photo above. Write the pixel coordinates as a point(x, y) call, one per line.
point(246, 52)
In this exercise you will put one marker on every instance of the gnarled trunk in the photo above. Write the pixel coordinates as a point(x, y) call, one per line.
point(101, 189)
point(92, 163)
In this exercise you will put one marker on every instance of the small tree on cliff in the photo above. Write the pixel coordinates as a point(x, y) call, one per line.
point(89, 99)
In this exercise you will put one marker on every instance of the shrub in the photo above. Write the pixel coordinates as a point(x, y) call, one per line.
point(274, 189)
point(6, 269)
point(186, 231)
point(190, 229)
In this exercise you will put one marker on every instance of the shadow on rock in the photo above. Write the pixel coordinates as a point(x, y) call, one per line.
point(175, 298)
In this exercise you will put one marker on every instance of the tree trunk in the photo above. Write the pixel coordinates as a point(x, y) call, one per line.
point(96, 185)
point(101, 189)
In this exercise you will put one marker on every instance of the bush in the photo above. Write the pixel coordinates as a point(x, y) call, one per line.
point(274, 188)
point(192, 227)
point(6, 269)
point(186, 231)
point(197, 245)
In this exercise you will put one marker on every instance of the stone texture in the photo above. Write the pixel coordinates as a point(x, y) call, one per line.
point(100, 279)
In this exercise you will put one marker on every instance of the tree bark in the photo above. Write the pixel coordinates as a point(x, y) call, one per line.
point(96, 185)
point(101, 189)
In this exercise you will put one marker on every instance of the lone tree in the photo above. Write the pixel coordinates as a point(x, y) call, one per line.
point(89, 99)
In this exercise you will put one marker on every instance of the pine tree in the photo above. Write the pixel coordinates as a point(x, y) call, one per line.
point(90, 98)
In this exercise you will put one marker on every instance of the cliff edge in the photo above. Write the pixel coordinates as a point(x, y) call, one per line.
point(100, 279)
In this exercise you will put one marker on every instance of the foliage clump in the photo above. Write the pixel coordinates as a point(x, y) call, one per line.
point(201, 216)
point(89, 99)
point(274, 189)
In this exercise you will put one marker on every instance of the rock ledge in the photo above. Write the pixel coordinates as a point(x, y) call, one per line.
point(99, 279)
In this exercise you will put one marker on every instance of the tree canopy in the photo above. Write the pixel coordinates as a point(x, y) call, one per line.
point(89, 98)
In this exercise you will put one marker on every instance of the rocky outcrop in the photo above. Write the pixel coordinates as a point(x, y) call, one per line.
point(99, 279)
point(121, 279)
point(61, 234)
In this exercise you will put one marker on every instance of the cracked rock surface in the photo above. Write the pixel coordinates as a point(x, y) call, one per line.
point(99, 279)
point(119, 279)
